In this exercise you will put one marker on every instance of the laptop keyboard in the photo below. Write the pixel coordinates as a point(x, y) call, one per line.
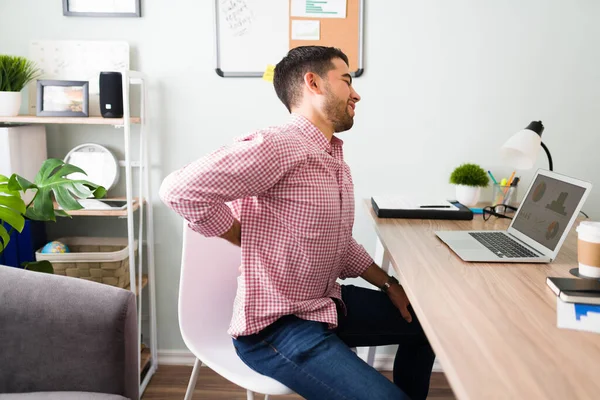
point(502, 245)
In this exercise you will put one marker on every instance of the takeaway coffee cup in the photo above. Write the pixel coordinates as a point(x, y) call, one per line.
point(588, 249)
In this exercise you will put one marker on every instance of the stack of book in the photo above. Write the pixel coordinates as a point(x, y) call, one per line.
point(577, 303)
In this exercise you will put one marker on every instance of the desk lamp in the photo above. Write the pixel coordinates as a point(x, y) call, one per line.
point(521, 149)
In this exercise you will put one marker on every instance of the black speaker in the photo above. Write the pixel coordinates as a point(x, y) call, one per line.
point(111, 94)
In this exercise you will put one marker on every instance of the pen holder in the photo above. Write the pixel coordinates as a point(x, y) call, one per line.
point(504, 195)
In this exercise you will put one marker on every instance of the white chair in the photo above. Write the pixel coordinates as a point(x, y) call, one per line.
point(209, 270)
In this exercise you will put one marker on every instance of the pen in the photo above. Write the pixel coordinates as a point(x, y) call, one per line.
point(435, 206)
point(509, 183)
point(492, 176)
point(512, 176)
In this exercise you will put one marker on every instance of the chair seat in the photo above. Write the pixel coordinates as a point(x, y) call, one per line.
point(223, 359)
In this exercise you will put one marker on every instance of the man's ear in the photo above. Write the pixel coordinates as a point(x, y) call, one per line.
point(313, 82)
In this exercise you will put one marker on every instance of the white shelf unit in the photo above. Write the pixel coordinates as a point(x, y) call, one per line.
point(144, 207)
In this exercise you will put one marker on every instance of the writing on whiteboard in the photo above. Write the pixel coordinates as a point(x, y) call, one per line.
point(238, 15)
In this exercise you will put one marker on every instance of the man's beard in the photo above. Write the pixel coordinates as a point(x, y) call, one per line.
point(337, 113)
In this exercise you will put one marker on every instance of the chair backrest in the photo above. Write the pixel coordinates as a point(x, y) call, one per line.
point(207, 287)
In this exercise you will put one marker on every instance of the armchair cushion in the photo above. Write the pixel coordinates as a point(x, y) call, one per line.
point(61, 396)
point(66, 334)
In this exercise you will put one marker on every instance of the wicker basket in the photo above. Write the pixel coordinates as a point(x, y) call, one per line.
point(103, 260)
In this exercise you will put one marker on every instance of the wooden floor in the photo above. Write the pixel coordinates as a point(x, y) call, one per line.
point(170, 383)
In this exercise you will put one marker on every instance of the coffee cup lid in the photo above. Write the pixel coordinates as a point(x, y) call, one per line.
point(589, 227)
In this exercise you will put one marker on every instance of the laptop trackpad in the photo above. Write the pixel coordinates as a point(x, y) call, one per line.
point(465, 244)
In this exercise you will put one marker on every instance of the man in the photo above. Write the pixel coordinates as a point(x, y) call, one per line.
point(291, 209)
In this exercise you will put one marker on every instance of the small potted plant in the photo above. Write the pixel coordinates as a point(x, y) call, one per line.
point(469, 179)
point(15, 73)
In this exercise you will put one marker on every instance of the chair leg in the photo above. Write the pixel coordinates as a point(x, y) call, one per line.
point(250, 394)
point(371, 355)
point(193, 379)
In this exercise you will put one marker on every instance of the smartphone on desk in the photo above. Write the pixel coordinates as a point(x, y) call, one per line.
point(573, 290)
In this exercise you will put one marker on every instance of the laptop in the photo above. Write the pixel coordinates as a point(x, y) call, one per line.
point(538, 229)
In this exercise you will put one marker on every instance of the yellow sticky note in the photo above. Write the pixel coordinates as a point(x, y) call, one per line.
point(269, 73)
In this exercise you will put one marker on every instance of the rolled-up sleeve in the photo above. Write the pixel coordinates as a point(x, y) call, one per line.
point(200, 190)
point(357, 261)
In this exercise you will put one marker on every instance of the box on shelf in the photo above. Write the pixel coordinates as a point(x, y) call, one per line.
point(99, 259)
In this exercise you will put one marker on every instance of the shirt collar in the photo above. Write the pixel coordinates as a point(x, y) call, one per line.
point(311, 132)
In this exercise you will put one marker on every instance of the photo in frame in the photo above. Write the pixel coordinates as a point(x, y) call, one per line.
point(58, 98)
point(102, 8)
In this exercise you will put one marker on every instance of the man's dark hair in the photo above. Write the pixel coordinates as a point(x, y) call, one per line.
point(289, 73)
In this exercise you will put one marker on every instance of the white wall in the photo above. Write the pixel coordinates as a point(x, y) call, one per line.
point(445, 82)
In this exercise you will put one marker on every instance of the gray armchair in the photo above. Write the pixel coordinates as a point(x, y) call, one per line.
point(66, 338)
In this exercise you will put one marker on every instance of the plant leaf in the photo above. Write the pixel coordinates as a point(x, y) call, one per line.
point(44, 266)
point(4, 237)
point(17, 183)
point(61, 213)
point(50, 181)
point(65, 199)
point(99, 192)
point(47, 168)
point(12, 217)
point(68, 169)
point(80, 190)
point(16, 72)
point(12, 201)
point(4, 186)
point(34, 215)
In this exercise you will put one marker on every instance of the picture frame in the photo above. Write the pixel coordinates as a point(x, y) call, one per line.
point(102, 8)
point(60, 98)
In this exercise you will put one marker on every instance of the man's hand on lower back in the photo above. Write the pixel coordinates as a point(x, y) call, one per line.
point(234, 234)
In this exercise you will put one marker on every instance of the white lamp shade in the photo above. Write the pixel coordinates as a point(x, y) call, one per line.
point(520, 150)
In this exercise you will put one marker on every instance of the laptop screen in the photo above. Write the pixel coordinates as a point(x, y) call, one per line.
point(547, 210)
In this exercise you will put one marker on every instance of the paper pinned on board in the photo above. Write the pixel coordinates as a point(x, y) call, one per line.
point(269, 73)
point(319, 8)
point(306, 30)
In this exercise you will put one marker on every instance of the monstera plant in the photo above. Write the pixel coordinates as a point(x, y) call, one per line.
point(51, 183)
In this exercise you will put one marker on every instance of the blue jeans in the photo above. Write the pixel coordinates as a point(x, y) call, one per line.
point(317, 362)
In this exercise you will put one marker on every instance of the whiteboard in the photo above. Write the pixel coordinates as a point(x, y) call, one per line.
point(250, 34)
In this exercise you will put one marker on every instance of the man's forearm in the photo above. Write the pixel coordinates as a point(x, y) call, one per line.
point(395, 292)
point(375, 275)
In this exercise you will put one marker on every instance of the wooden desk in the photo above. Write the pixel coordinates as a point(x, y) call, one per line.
point(492, 326)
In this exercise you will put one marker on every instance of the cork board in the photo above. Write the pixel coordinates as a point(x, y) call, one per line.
point(252, 34)
point(343, 33)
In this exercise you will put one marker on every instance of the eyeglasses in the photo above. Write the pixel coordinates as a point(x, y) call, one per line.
point(498, 211)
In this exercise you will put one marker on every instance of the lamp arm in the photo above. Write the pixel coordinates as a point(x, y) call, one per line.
point(549, 156)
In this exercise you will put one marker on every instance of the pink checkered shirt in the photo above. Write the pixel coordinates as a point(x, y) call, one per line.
point(293, 194)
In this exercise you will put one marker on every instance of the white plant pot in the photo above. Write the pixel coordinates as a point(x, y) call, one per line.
point(10, 102)
point(467, 195)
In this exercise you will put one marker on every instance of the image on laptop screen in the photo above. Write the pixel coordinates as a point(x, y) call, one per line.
point(547, 210)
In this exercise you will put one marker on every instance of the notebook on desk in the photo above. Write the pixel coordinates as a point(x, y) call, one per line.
point(412, 207)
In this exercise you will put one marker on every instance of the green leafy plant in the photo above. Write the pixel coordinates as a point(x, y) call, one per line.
point(469, 175)
point(16, 72)
point(50, 184)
